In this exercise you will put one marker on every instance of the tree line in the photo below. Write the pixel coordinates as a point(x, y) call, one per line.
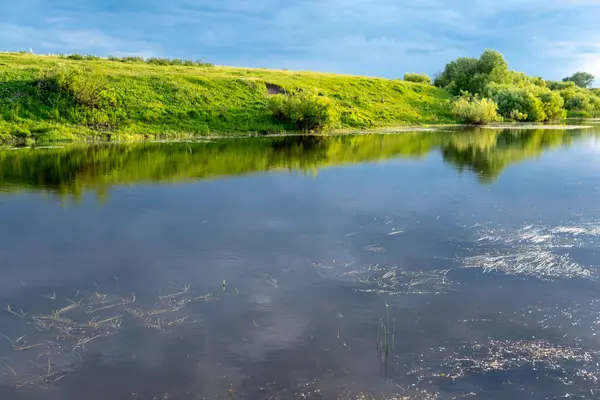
point(486, 90)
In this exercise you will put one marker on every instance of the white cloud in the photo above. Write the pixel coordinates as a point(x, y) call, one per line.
point(375, 37)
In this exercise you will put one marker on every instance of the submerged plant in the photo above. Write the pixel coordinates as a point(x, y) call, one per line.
point(386, 338)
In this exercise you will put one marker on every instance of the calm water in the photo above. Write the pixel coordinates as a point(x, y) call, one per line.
point(269, 268)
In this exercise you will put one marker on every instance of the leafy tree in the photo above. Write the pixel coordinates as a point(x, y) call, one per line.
point(473, 75)
point(581, 79)
point(457, 75)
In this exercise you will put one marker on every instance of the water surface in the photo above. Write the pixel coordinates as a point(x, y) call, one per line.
point(268, 268)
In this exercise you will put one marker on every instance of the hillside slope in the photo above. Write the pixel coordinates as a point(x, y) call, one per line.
point(142, 101)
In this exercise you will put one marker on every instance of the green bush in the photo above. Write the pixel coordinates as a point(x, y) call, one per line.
point(87, 87)
point(177, 61)
point(556, 85)
point(128, 59)
point(579, 114)
point(306, 111)
point(80, 57)
point(552, 103)
point(577, 99)
point(417, 78)
point(517, 103)
point(473, 110)
point(578, 103)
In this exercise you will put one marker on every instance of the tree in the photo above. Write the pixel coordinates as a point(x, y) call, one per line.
point(581, 79)
point(473, 75)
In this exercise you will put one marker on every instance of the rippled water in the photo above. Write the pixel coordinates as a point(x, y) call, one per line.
point(423, 265)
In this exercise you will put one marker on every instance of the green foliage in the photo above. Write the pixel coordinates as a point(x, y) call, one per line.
point(577, 99)
point(473, 75)
point(154, 101)
point(87, 87)
point(581, 79)
point(306, 111)
point(522, 104)
point(556, 85)
point(128, 59)
point(417, 78)
point(80, 57)
point(473, 110)
point(553, 105)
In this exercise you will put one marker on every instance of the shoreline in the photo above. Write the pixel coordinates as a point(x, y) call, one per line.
point(392, 130)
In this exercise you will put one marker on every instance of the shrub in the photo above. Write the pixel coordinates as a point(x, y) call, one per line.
point(417, 78)
point(474, 110)
point(577, 99)
point(80, 57)
point(517, 102)
point(556, 85)
point(128, 59)
point(552, 103)
point(158, 61)
point(579, 114)
point(306, 111)
point(87, 87)
point(177, 61)
point(578, 103)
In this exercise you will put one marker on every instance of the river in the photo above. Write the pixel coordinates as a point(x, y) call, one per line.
point(422, 265)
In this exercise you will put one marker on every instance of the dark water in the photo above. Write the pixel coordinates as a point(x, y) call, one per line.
point(269, 268)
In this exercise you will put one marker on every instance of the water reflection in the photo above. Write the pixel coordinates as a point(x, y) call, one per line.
point(404, 278)
point(73, 170)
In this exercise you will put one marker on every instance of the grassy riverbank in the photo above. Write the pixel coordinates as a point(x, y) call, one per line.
point(48, 99)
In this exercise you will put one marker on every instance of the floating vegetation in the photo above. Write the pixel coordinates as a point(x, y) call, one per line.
point(538, 263)
point(390, 279)
point(375, 248)
point(394, 280)
point(532, 250)
point(63, 332)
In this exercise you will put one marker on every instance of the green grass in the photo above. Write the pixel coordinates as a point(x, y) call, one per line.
point(146, 101)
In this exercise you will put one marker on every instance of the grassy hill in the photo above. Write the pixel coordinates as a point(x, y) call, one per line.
point(51, 98)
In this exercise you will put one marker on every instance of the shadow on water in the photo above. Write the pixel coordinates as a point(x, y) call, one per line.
point(73, 170)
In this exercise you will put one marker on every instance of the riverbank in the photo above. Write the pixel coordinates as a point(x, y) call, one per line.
point(47, 99)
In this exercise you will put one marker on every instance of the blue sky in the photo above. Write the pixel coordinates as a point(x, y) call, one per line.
point(371, 37)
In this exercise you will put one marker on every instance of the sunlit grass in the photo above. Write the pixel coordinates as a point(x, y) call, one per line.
point(148, 101)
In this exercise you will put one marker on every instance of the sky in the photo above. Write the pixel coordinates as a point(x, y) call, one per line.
point(548, 38)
